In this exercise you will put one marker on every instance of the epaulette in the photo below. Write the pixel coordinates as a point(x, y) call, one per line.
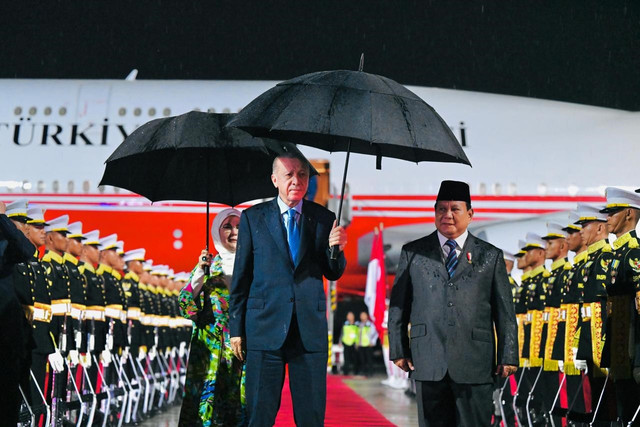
point(81, 269)
point(142, 286)
point(115, 274)
point(546, 273)
point(633, 244)
point(568, 266)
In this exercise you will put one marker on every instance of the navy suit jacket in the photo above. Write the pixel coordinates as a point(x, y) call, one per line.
point(267, 287)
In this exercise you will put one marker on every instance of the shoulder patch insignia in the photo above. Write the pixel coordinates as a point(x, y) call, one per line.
point(635, 264)
point(604, 263)
point(126, 285)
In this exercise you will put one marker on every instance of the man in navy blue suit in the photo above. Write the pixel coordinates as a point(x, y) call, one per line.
point(277, 304)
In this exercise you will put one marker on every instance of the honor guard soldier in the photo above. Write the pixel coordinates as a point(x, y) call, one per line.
point(185, 333)
point(130, 286)
point(56, 245)
point(96, 300)
point(556, 250)
point(147, 336)
point(593, 278)
point(33, 290)
point(535, 288)
point(78, 290)
point(521, 302)
point(509, 262)
point(62, 323)
point(568, 323)
point(115, 311)
point(623, 210)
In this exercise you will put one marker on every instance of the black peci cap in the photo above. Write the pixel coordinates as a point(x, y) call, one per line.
point(454, 191)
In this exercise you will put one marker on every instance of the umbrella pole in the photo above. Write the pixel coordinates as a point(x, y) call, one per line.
point(206, 234)
point(335, 250)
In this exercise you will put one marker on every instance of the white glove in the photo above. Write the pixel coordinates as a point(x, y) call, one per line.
point(125, 354)
point(110, 342)
point(142, 353)
point(78, 338)
point(85, 360)
point(561, 365)
point(105, 357)
point(152, 353)
point(183, 349)
point(56, 361)
point(581, 365)
point(72, 357)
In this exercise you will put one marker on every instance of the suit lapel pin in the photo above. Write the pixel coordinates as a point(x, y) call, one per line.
point(469, 257)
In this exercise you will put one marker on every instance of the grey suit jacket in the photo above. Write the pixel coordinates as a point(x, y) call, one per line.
point(452, 320)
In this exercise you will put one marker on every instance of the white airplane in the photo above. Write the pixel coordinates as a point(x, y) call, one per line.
point(530, 157)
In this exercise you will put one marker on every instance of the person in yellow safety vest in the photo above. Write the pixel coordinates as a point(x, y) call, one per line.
point(367, 338)
point(348, 338)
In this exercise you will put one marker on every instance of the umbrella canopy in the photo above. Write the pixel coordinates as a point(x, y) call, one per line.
point(335, 110)
point(195, 157)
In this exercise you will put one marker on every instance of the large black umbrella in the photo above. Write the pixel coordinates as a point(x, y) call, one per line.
point(352, 111)
point(195, 157)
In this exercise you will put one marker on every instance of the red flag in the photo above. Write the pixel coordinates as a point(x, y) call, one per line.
point(376, 289)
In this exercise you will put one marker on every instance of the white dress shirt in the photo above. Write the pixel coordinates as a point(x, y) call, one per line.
point(459, 243)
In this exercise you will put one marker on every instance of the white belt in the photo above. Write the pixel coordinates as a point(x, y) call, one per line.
point(545, 316)
point(586, 311)
point(94, 315)
point(133, 313)
point(112, 312)
point(529, 317)
point(76, 313)
point(41, 314)
point(563, 314)
point(60, 308)
point(123, 316)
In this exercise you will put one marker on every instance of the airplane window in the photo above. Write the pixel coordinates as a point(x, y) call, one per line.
point(152, 112)
point(101, 189)
point(47, 111)
point(17, 111)
point(226, 110)
point(122, 111)
point(33, 111)
point(26, 186)
point(116, 190)
point(497, 188)
point(55, 186)
point(70, 186)
point(86, 186)
point(137, 112)
point(166, 112)
point(482, 188)
point(211, 110)
point(62, 111)
point(542, 189)
point(511, 190)
point(40, 187)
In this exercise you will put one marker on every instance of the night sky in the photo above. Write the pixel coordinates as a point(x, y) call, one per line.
point(585, 52)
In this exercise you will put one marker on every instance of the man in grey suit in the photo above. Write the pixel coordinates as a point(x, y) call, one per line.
point(453, 290)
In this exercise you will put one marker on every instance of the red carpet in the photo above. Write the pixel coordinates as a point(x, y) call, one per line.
point(344, 407)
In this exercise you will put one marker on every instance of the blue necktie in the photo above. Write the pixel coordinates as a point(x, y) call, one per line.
point(452, 258)
point(293, 234)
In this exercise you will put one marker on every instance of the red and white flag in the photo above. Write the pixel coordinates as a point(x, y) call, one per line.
point(376, 290)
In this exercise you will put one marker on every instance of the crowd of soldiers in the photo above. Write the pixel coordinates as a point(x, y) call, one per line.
point(578, 329)
point(107, 343)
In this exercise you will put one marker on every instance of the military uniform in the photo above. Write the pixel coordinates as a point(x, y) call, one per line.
point(623, 325)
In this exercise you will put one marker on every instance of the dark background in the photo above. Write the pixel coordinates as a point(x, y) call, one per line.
point(585, 52)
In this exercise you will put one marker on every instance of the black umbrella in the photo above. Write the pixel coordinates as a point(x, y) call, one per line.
point(352, 111)
point(195, 157)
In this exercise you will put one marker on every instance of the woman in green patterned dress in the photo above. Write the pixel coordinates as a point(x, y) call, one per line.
point(214, 389)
